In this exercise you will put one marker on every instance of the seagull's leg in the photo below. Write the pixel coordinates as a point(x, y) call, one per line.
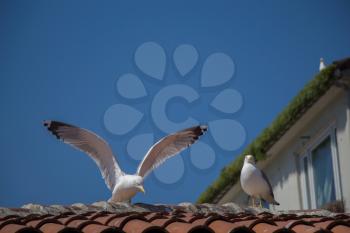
point(260, 202)
point(253, 202)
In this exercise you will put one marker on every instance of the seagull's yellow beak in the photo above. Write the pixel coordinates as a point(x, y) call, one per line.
point(140, 187)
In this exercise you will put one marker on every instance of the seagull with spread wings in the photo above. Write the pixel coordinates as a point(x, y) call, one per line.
point(123, 186)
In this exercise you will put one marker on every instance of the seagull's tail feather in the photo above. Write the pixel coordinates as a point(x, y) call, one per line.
point(270, 199)
point(275, 202)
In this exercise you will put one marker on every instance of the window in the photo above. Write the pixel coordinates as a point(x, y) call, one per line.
point(323, 173)
point(319, 177)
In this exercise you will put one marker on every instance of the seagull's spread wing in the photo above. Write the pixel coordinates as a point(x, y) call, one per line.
point(91, 144)
point(168, 147)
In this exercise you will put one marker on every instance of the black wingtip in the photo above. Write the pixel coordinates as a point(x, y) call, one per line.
point(53, 127)
point(199, 131)
point(204, 127)
point(46, 123)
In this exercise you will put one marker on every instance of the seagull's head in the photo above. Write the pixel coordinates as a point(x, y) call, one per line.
point(249, 159)
point(138, 183)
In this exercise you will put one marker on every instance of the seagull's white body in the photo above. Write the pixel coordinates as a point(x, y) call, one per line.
point(123, 186)
point(254, 182)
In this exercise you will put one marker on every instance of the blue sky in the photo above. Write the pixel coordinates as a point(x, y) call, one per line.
point(61, 60)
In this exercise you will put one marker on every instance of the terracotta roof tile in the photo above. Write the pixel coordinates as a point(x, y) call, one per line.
point(95, 228)
point(106, 219)
point(209, 219)
point(155, 215)
point(65, 220)
point(289, 224)
point(16, 228)
point(121, 221)
point(164, 222)
point(141, 226)
point(142, 218)
point(190, 217)
point(181, 227)
point(302, 228)
point(341, 229)
point(5, 222)
point(269, 228)
point(57, 228)
point(82, 224)
point(40, 222)
point(330, 224)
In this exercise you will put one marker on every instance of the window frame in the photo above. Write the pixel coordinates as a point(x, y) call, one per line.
point(307, 183)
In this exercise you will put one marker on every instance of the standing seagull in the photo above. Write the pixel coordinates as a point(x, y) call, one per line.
point(123, 186)
point(255, 183)
point(322, 64)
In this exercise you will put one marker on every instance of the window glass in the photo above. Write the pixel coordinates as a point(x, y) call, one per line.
point(323, 173)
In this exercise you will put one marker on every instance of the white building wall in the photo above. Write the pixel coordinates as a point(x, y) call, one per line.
point(343, 140)
point(283, 177)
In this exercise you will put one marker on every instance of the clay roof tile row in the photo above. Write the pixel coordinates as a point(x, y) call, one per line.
point(168, 219)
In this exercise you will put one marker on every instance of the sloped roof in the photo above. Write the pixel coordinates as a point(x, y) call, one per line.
point(313, 91)
point(103, 217)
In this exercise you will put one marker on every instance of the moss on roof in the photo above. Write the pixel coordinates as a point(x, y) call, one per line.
point(292, 113)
